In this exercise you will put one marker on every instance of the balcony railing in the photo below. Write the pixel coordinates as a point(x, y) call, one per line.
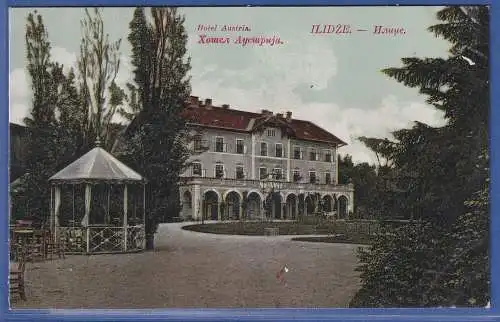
point(251, 183)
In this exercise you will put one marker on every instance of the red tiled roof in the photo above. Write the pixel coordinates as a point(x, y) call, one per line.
point(207, 115)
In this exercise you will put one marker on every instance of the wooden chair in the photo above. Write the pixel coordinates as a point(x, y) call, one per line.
point(16, 274)
point(37, 246)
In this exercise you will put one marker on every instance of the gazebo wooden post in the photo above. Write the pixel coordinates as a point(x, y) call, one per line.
point(57, 198)
point(125, 210)
point(107, 209)
point(51, 225)
point(88, 195)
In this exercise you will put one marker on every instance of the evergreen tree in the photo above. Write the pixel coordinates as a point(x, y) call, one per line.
point(158, 134)
point(442, 259)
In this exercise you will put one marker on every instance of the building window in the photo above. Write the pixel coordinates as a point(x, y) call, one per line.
point(196, 168)
point(278, 174)
point(240, 148)
point(312, 176)
point(271, 132)
point(297, 153)
point(219, 144)
point(328, 178)
point(263, 149)
point(296, 176)
point(279, 150)
point(239, 172)
point(328, 156)
point(313, 155)
point(197, 143)
point(219, 171)
point(263, 173)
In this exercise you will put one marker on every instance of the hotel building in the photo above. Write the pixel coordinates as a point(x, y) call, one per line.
point(260, 165)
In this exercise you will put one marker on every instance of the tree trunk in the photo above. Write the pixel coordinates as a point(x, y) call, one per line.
point(150, 241)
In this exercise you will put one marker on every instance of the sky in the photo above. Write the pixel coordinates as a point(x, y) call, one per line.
point(333, 80)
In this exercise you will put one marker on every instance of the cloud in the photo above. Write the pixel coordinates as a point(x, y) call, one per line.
point(19, 95)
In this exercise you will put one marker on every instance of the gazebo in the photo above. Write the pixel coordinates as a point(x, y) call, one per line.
point(98, 205)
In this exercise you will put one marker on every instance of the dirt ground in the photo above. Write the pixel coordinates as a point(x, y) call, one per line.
point(196, 270)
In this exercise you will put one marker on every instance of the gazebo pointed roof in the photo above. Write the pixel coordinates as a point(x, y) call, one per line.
point(97, 165)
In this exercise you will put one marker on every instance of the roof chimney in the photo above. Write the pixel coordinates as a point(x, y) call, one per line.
point(288, 115)
point(208, 102)
point(193, 100)
point(225, 106)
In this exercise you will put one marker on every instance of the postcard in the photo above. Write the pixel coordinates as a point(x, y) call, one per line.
point(249, 157)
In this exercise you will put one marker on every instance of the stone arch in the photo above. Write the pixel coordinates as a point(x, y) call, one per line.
point(232, 205)
point(211, 202)
point(343, 206)
point(327, 203)
point(291, 206)
point(254, 205)
point(261, 196)
point(309, 204)
point(227, 192)
point(214, 191)
point(274, 205)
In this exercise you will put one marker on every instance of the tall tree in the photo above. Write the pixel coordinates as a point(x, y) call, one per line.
point(442, 260)
point(158, 134)
point(41, 161)
point(98, 66)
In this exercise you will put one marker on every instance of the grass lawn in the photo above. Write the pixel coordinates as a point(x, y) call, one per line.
point(257, 228)
point(339, 239)
point(355, 233)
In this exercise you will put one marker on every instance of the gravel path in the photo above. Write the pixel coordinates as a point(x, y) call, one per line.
point(196, 270)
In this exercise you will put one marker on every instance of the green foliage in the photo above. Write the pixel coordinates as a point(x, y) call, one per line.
point(438, 176)
point(52, 92)
point(156, 138)
point(368, 187)
point(60, 124)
